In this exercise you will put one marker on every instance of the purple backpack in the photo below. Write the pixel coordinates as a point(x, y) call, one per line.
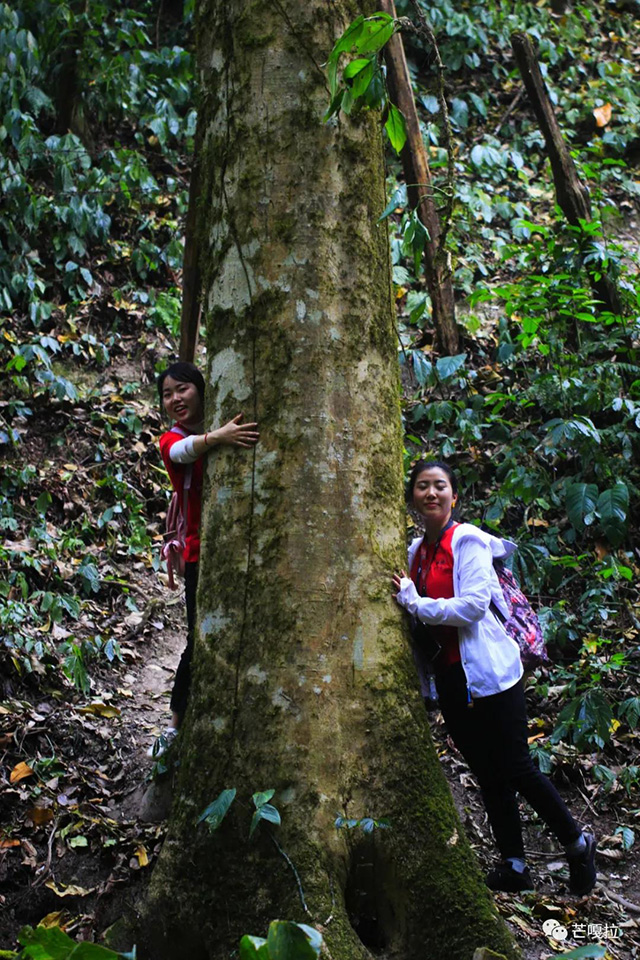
point(522, 624)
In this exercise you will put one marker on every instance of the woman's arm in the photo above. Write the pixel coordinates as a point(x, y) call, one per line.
point(475, 562)
point(194, 446)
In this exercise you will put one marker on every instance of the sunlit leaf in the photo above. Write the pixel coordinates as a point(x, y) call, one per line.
point(288, 941)
point(602, 115)
point(396, 128)
point(19, 772)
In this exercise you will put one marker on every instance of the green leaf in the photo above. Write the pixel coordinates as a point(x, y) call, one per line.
point(447, 366)
point(629, 710)
point(479, 104)
point(253, 948)
point(460, 113)
point(580, 499)
point(288, 941)
point(43, 502)
point(377, 31)
point(422, 367)
point(354, 67)
point(398, 199)
point(628, 836)
point(612, 509)
point(431, 103)
point(334, 106)
point(259, 799)
point(396, 128)
point(358, 75)
point(348, 38)
point(314, 936)
point(590, 950)
point(477, 155)
point(265, 812)
point(51, 943)
point(215, 813)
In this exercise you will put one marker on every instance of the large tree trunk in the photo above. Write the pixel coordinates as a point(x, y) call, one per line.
point(303, 680)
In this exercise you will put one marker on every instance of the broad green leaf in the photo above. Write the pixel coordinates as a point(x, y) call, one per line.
point(358, 75)
point(396, 128)
point(43, 502)
point(580, 499)
point(477, 155)
point(334, 106)
point(253, 948)
point(447, 366)
point(377, 30)
point(347, 101)
point(216, 811)
point(315, 938)
point(288, 941)
point(431, 103)
point(629, 710)
point(348, 38)
point(612, 509)
point(260, 798)
point(628, 836)
point(591, 951)
point(264, 812)
point(460, 113)
point(51, 943)
point(479, 104)
point(422, 367)
point(398, 199)
point(353, 68)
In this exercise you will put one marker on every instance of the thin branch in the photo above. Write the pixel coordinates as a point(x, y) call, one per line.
point(514, 103)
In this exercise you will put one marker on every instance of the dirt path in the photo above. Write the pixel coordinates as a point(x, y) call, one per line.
point(606, 917)
point(85, 834)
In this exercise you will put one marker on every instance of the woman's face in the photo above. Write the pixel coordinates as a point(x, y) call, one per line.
point(433, 496)
point(181, 401)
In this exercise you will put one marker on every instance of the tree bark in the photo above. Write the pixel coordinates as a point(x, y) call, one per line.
point(303, 680)
point(571, 193)
point(417, 174)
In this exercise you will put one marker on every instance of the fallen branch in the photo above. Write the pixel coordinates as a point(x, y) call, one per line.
point(417, 175)
point(572, 194)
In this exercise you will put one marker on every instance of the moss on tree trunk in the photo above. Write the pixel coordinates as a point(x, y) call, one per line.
point(303, 680)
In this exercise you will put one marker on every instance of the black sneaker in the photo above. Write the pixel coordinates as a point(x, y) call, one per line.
point(582, 868)
point(504, 877)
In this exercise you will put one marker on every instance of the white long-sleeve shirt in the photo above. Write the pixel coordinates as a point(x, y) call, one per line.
point(490, 657)
point(182, 451)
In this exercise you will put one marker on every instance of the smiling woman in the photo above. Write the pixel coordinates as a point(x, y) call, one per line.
point(181, 392)
point(454, 597)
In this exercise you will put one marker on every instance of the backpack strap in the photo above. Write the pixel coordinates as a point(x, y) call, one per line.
point(173, 551)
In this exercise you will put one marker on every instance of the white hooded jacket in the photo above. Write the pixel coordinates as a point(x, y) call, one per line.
point(490, 658)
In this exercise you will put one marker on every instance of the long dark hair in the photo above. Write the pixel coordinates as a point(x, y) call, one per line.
point(422, 465)
point(183, 372)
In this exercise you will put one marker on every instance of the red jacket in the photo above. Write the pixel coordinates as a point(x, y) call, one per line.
point(176, 473)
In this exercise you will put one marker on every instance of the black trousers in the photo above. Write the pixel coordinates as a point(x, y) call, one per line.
point(492, 737)
point(182, 682)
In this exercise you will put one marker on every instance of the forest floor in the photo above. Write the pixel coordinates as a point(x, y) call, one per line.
point(87, 864)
